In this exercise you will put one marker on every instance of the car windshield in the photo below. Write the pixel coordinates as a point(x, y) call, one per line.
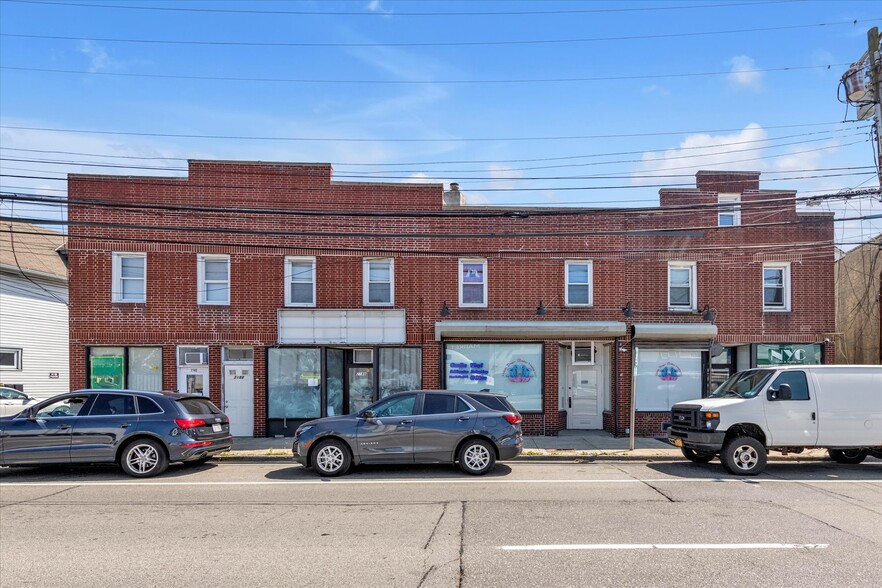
point(743, 384)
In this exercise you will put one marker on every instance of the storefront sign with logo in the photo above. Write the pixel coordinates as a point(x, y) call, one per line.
point(106, 372)
point(513, 369)
point(788, 354)
point(666, 376)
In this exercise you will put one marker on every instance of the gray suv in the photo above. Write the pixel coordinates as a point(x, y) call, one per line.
point(474, 429)
point(141, 431)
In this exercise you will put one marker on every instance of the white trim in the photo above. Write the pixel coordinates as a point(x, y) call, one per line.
point(201, 298)
point(567, 284)
point(465, 260)
point(733, 211)
point(693, 285)
point(289, 259)
point(785, 266)
point(365, 271)
point(116, 287)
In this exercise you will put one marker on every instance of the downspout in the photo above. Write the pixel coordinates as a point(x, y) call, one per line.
point(615, 404)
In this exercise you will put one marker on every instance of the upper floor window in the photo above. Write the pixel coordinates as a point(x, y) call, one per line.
point(129, 277)
point(214, 279)
point(681, 285)
point(300, 281)
point(729, 210)
point(379, 283)
point(10, 359)
point(579, 286)
point(776, 286)
point(473, 282)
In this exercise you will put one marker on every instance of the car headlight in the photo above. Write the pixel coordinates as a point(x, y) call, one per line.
point(710, 420)
point(301, 430)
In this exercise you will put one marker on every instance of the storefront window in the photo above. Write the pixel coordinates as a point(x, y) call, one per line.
point(400, 370)
point(513, 369)
point(294, 383)
point(115, 368)
point(666, 376)
point(334, 372)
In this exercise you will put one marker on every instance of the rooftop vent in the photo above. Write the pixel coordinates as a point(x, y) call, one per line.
point(453, 197)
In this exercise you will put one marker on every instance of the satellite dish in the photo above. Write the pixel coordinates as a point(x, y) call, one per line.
point(866, 111)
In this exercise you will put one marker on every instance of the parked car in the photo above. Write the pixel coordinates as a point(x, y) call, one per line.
point(789, 409)
point(13, 402)
point(141, 431)
point(474, 429)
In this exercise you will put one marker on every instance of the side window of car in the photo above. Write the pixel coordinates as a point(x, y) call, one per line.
point(65, 407)
point(111, 404)
point(439, 404)
point(461, 405)
point(797, 382)
point(147, 406)
point(400, 406)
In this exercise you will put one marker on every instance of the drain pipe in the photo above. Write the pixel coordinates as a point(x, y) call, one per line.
point(615, 404)
point(635, 354)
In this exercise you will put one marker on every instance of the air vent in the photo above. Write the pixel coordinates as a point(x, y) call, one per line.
point(362, 356)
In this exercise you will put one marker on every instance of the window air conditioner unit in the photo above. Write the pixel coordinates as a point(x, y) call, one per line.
point(362, 356)
point(195, 359)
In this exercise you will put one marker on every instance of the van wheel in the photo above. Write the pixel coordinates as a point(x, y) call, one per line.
point(696, 456)
point(743, 456)
point(847, 456)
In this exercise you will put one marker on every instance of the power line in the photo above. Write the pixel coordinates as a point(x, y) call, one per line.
point(396, 13)
point(195, 77)
point(403, 140)
point(640, 37)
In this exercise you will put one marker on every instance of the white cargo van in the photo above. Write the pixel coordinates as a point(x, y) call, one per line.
point(788, 409)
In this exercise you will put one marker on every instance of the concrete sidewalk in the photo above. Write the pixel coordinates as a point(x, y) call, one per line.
point(568, 446)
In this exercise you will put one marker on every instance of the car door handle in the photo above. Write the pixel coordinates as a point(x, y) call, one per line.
point(406, 423)
point(125, 425)
point(64, 426)
point(813, 417)
point(463, 418)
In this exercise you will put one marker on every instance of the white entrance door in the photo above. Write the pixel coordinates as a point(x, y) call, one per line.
point(239, 398)
point(584, 409)
point(193, 380)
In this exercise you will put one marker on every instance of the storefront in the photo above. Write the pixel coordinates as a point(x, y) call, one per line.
point(116, 368)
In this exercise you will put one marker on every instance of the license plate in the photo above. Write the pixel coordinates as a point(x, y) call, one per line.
point(678, 442)
point(216, 428)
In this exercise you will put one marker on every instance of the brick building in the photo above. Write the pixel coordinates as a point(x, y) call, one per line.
point(285, 295)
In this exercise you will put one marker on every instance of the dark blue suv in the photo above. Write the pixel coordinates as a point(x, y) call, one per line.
point(141, 431)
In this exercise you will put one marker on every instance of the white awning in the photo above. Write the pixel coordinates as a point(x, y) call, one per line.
point(674, 331)
point(570, 330)
point(347, 327)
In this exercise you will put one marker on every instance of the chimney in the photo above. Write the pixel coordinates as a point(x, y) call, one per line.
point(453, 197)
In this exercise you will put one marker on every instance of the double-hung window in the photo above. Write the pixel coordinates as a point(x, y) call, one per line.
point(681, 285)
point(729, 210)
point(473, 283)
point(214, 279)
point(300, 281)
point(379, 282)
point(579, 283)
point(776, 287)
point(129, 277)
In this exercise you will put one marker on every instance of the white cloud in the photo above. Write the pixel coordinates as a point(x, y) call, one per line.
point(99, 58)
point(743, 73)
point(656, 89)
point(376, 6)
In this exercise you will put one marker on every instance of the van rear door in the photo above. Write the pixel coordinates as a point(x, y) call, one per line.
point(793, 422)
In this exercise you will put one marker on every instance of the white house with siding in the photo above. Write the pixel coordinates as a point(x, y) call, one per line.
point(33, 310)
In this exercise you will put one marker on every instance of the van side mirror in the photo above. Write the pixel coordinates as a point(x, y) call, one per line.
point(783, 393)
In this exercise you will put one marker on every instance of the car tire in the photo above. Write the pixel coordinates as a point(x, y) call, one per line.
point(143, 458)
point(331, 458)
point(696, 456)
point(476, 457)
point(847, 456)
point(744, 456)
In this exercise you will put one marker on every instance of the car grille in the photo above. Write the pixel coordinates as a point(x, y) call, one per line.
point(684, 418)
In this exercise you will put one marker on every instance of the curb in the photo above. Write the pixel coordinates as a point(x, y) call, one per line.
point(574, 459)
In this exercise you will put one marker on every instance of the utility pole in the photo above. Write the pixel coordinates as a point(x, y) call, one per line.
point(874, 54)
point(863, 89)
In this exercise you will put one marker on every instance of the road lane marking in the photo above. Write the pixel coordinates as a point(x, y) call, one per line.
point(752, 482)
point(628, 546)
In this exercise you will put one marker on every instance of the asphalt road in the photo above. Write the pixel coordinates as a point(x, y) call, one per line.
point(526, 524)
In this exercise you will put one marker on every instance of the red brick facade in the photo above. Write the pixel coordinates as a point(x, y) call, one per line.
point(524, 267)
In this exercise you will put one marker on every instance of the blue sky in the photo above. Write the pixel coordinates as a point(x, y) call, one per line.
point(406, 110)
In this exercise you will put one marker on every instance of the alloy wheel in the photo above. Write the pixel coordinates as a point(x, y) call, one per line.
point(142, 458)
point(476, 457)
point(329, 458)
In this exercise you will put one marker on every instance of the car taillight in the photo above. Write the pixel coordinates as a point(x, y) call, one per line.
point(189, 423)
point(197, 444)
point(512, 418)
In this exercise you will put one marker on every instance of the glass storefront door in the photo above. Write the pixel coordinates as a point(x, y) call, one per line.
point(361, 387)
